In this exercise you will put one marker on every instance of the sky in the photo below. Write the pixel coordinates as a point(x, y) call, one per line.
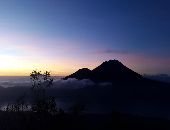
point(62, 36)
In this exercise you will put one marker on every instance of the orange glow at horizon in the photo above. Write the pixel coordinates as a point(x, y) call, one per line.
point(20, 66)
point(20, 55)
point(23, 66)
point(14, 66)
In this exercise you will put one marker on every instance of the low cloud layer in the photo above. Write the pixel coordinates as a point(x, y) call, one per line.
point(73, 83)
point(159, 77)
point(58, 83)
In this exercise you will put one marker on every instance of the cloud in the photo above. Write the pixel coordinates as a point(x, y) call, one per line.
point(70, 83)
point(112, 51)
point(159, 77)
point(73, 83)
point(58, 83)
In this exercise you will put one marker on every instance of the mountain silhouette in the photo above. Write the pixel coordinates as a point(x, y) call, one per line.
point(83, 73)
point(108, 71)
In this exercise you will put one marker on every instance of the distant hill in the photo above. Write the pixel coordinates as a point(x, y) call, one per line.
point(83, 73)
point(108, 71)
point(159, 77)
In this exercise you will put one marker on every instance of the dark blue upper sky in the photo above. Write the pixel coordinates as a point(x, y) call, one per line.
point(135, 32)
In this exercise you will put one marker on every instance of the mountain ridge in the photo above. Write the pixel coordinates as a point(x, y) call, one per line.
point(109, 71)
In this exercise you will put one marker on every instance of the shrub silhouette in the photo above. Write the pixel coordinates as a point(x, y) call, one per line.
point(19, 106)
point(42, 102)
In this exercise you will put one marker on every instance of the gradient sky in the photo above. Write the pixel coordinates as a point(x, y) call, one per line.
point(64, 35)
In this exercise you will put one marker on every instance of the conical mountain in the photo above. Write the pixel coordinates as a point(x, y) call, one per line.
point(108, 71)
point(113, 71)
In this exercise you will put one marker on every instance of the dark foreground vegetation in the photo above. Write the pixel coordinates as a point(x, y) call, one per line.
point(34, 121)
point(42, 112)
point(63, 121)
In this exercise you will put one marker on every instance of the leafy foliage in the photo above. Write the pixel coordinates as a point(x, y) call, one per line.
point(42, 103)
point(40, 80)
point(18, 106)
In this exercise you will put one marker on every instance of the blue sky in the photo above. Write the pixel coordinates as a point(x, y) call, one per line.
point(65, 35)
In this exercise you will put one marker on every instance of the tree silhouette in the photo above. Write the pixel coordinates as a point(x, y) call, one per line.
point(42, 102)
